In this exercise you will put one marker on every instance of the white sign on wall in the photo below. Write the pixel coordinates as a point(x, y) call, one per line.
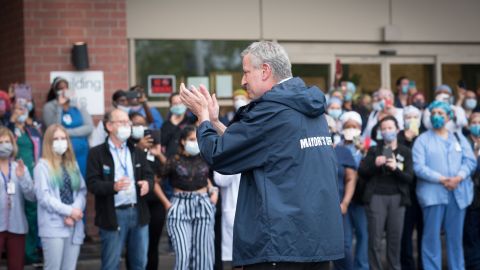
point(88, 87)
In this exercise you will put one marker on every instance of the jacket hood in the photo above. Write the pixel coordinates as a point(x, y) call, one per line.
point(308, 100)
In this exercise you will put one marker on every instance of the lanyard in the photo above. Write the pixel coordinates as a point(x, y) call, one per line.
point(123, 165)
point(5, 179)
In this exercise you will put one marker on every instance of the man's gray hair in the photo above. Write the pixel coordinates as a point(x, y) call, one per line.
point(271, 53)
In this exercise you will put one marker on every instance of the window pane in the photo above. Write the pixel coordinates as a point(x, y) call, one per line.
point(184, 58)
point(422, 74)
point(367, 77)
point(313, 74)
point(453, 73)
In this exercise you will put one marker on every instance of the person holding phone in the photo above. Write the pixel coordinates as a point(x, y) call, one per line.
point(61, 194)
point(144, 139)
point(138, 102)
point(388, 170)
point(16, 186)
point(29, 142)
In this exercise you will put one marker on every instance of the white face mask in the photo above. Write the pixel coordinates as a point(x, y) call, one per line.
point(351, 133)
point(138, 132)
point(124, 108)
point(239, 103)
point(60, 146)
point(123, 133)
point(192, 148)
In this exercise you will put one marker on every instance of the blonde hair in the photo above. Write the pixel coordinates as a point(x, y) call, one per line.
point(67, 160)
point(6, 132)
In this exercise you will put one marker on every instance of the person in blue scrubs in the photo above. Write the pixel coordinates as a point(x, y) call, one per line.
point(443, 163)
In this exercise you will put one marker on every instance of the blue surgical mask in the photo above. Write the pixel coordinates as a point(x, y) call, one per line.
point(6, 150)
point(22, 118)
point(389, 136)
point(405, 89)
point(475, 130)
point(348, 96)
point(178, 109)
point(335, 113)
point(470, 103)
point(437, 121)
point(378, 106)
point(124, 108)
point(29, 106)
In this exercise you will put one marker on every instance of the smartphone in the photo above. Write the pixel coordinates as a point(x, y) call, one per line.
point(147, 132)
point(387, 152)
point(23, 91)
point(155, 134)
point(133, 94)
point(462, 84)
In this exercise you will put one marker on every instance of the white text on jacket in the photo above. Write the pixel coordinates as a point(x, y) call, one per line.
point(315, 141)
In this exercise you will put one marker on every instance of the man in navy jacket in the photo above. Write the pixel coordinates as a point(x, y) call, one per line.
point(288, 211)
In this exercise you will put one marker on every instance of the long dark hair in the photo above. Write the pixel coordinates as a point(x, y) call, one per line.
point(52, 93)
point(186, 131)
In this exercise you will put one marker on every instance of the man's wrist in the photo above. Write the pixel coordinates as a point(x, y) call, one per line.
point(204, 117)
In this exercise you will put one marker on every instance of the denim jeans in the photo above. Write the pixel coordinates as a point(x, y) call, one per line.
point(130, 233)
point(358, 220)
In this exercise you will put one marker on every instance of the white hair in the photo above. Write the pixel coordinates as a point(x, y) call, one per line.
point(385, 92)
point(272, 54)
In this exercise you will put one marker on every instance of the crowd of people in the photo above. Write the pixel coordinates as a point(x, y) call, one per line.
point(402, 165)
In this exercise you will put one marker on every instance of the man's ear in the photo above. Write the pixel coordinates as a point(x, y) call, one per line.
point(108, 127)
point(266, 72)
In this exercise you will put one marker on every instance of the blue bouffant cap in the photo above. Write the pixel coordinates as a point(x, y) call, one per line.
point(442, 105)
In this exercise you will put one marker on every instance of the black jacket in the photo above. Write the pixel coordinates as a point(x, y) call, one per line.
point(373, 174)
point(100, 181)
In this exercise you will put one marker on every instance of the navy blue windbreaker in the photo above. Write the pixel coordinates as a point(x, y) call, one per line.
point(288, 206)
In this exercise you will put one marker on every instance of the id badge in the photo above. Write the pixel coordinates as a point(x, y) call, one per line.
point(11, 188)
point(458, 148)
point(67, 118)
point(150, 157)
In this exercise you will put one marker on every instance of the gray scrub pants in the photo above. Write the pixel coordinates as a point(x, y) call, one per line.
point(385, 214)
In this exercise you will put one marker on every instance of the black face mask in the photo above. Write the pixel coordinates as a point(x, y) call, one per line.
point(419, 104)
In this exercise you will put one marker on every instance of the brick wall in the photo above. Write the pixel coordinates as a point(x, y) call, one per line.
point(50, 29)
point(12, 60)
point(52, 26)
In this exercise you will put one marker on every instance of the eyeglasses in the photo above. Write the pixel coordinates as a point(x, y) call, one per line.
point(122, 122)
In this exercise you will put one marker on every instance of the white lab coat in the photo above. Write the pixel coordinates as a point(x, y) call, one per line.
point(229, 185)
